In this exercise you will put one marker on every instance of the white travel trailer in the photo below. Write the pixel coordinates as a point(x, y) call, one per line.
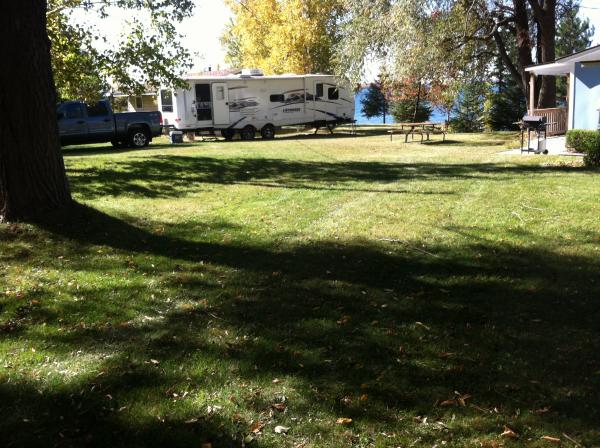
point(250, 102)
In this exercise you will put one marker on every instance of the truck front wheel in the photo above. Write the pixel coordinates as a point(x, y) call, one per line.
point(138, 138)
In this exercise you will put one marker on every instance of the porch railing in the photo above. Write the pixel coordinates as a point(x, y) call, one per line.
point(557, 118)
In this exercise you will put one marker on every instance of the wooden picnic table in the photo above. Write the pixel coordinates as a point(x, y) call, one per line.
point(424, 128)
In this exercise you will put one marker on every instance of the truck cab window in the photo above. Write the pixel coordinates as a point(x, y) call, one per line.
point(319, 91)
point(69, 111)
point(166, 99)
point(333, 93)
point(97, 109)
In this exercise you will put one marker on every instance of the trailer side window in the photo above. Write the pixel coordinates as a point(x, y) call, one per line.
point(319, 93)
point(166, 99)
point(333, 93)
point(139, 102)
point(277, 98)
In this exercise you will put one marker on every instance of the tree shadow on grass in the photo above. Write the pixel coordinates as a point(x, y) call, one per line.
point(175, 176)
point(108, 149)
point(515, 327)
point(91, 413)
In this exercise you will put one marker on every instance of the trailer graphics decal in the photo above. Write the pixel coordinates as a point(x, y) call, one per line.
point(242, 103)
point(300, 96)
point(232, 125)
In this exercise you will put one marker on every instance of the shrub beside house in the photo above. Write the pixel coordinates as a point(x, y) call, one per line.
point(586, 142)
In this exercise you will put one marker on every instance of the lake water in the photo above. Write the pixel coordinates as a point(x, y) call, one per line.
point(361, 119)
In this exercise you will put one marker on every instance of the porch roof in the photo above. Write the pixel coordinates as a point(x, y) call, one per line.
point(565, 65)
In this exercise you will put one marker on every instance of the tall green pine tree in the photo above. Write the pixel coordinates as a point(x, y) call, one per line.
point(468, 112)
point(505, 104)
point(404, 111)
point(374, 103)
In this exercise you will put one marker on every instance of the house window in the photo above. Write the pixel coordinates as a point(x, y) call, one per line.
point(333, 93)
point(277, 98)
point(319, 89)
point(166, 99)
point(139, 102)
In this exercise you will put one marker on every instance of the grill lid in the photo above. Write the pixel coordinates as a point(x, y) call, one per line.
point(534, 119)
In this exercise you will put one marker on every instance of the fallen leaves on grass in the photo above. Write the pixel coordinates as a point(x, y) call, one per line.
point(509, 433)
point(422, 325)
point(344, 320)
point(462, 399)
point(344, 421)
point(550, 439)
point(257, 427)
point(458, 400)
point(278, 406)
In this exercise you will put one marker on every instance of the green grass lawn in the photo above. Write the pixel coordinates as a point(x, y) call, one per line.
point(210, 292)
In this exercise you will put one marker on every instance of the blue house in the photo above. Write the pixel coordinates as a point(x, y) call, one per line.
point(583, 99)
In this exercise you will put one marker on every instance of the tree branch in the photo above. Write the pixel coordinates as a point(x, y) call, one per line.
point(537, 9)
point(507, 61)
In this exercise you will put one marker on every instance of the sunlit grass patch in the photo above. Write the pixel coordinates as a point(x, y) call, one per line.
point(357, 291)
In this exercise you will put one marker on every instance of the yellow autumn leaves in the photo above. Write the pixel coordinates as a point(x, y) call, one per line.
point(282, 36)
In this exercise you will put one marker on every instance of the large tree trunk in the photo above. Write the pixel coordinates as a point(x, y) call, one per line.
point(32, 172)
point(544, 14)
point(523, 44)
point(546, 18)
point(417, 102)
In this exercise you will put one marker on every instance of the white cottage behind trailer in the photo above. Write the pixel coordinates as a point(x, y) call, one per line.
point(250, 102)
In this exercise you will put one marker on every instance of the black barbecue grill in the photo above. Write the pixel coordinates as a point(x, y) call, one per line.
point(536, 125)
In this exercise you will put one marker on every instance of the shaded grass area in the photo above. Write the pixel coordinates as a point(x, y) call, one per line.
point(207, 290)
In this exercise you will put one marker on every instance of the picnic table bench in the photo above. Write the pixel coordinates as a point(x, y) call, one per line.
point(424, 129)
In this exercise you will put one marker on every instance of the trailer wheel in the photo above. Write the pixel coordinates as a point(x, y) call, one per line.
point(228, 134)
point(268, 132)
point(248, 133)
point(138, 138)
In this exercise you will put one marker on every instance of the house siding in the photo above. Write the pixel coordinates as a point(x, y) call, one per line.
point(586, 95)
point(149, 103)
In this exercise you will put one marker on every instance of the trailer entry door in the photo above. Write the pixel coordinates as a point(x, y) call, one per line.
point(203, 103)
point(220, 96)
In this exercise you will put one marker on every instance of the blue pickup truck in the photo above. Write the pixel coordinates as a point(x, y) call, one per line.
point(80, 123)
